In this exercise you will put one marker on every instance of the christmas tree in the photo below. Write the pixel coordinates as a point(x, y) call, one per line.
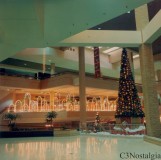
point(128, 104)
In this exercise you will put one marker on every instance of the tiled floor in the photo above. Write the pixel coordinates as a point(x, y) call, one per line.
point(74, 148)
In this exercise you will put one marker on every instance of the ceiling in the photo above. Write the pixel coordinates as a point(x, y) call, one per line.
point(45, 23)
point(126, 21)
point(119, 20)
point(39, 24)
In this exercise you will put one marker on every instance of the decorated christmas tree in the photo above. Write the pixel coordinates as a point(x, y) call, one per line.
point(128, 104)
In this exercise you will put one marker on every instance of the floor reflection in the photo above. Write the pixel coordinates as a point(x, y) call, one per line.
point(72, 148)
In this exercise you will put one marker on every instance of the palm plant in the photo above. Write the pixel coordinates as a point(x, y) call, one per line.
point(50, 116)
point(11, 117)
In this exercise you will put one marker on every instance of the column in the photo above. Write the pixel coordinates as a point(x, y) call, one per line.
point(44, 61)
point(141, 17)
point(150, 91)
point(82, 88)
point(158, 72)
point(148, 78)
point(52, 68)
point(52, 96)
point(14, 100)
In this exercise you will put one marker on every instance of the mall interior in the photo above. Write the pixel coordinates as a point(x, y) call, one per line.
point(47, 59)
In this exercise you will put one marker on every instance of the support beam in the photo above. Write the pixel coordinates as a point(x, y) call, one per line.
point(104, 38)
point(153, 30)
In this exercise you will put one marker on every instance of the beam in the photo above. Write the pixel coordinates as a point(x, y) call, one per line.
point(153, 30)
point(104, 38)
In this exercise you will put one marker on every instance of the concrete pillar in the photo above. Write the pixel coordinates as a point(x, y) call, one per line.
point(44, 61)
point(141, 17)
point(158, 72)
point(82, 88)
point(150, 91)
point(14, 99)
point(52, 68)
point(148, 78)
point(52, 96)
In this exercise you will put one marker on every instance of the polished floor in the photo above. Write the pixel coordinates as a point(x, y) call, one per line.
point(75, 148)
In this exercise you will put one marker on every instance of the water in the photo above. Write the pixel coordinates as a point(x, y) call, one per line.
point(74, 148)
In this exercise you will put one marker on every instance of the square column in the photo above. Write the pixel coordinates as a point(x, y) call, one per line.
point(150, 91)
point(52, 68)
point(82, 88)
point(148, 78)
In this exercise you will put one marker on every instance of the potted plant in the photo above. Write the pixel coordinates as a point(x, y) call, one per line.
point(50, 116)
point(11, 117)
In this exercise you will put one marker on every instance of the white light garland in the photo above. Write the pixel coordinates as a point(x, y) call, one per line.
point(43, 103)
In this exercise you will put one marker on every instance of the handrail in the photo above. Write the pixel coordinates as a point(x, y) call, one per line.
point(62, 73)
point(126, 129)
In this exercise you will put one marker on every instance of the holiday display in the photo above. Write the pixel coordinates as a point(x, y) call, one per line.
point(128, 104)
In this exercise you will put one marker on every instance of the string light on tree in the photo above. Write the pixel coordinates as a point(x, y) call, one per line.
point(128, 104)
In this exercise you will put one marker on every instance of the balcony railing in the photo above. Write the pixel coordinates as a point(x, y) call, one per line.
point(116, 129)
